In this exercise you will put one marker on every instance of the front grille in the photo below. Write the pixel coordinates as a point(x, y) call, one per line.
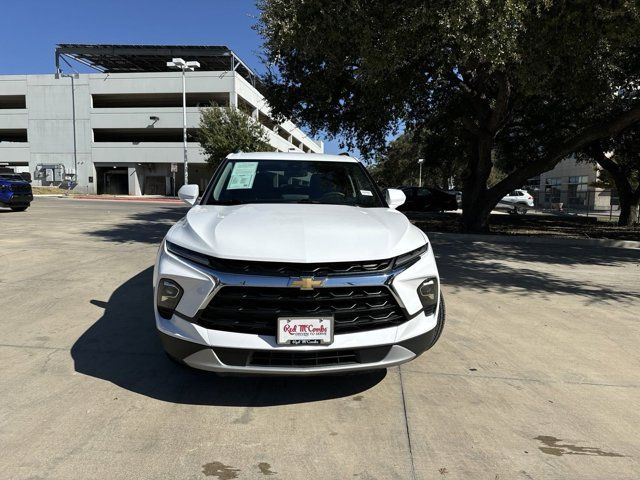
point(271, 358)
point(283, 357)
point(20, 189)
point(256, 309)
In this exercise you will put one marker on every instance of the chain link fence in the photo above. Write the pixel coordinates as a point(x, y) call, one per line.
point(578, 199)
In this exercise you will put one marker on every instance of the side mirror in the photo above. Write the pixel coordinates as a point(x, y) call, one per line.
point(394, 197)
point(189, 194)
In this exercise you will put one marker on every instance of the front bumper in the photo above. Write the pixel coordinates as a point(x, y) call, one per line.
point(243, 361)
point(17, 199)
point(208, 349)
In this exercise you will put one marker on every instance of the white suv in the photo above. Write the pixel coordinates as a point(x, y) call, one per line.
point(517, 202)
point(295, 263)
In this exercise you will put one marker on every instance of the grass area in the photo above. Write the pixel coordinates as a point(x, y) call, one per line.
point(567, 226)
point(47, 191)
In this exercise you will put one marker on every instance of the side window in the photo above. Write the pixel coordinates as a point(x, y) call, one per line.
point(423, 192)
point(514, 193)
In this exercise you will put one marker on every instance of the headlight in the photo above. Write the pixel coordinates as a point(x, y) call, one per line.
point(411, 257)
point(169, 294)
point(428, 293)
point(188, 254)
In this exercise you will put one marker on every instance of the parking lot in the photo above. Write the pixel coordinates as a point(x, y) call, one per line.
point(537, 374)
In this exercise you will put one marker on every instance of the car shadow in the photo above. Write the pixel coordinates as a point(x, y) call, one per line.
point(142, 227)
point(123, 347)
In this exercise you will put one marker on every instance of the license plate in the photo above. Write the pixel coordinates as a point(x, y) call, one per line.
point(305, 330)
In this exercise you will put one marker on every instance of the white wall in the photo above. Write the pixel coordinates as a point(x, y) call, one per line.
point(48, 119)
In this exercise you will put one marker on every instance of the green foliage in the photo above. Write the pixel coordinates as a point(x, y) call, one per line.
point(225, 130)
point(514, 85)
point(397, 164)
point(361, 68)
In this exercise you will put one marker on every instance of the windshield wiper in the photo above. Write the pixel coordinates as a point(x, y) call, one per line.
point(306, 200)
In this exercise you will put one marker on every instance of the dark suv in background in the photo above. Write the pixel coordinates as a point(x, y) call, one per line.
point(15, 192)
point(428, 199)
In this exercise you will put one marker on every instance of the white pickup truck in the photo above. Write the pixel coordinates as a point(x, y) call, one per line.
point(295, 263)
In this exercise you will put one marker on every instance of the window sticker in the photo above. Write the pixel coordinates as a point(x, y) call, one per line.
point(366, 193)
point(242, 176)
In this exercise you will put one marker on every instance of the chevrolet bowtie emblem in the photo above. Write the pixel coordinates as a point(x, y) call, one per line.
point(306, 283)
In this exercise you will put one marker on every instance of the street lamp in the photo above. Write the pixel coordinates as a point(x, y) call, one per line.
point(73, 116)
point(420, 162)
point(180, 64)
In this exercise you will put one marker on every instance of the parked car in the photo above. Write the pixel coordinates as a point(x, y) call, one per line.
point(428, 199)
point(295, 263)
point(518, 202)
point(15, 192)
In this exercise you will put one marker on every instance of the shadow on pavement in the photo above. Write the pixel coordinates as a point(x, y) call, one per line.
point(143, 227)
point(122, 347)
point(522, 268)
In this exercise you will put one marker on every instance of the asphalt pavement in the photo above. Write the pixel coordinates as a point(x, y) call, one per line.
point(536, 375)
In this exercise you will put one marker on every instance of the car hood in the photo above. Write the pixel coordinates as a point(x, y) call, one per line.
point(21, 183)
point(296, 232)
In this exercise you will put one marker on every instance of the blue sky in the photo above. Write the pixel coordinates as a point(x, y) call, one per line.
point(30, 29)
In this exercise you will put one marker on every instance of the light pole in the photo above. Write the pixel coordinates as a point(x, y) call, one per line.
point(73, 116)
point(180, 64)
point(420, 162)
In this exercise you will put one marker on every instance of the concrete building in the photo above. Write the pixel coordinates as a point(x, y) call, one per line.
point(128, 117)
point(572, 184)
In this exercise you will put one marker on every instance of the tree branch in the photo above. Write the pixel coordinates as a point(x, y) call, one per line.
point(499, 113)
point(589, 135)
point(619, 178)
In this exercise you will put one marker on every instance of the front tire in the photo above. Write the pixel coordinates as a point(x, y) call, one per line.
point(19, 209)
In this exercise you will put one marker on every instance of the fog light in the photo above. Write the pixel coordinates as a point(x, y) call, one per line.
point(169, 294)
point(428, 293)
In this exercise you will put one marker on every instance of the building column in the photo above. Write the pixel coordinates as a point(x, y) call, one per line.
point(134, 184)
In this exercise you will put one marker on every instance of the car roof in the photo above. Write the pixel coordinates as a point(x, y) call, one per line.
point(310, 157)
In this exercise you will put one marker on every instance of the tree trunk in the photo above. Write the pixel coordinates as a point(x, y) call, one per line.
point(482, 125)
point(629, 207)
point(629, 198)
point(475, 216)
point(476, 207)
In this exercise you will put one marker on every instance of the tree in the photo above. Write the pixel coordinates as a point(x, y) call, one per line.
point(397, 164)
point(544, 73)
point(225, 130)
point(620, 157)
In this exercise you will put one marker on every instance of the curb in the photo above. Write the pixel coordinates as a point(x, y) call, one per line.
point(129, 199)
point(112, 199)
point(523, 239)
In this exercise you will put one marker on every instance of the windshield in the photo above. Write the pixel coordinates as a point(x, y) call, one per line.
point(11, 176)
point(293, 181)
